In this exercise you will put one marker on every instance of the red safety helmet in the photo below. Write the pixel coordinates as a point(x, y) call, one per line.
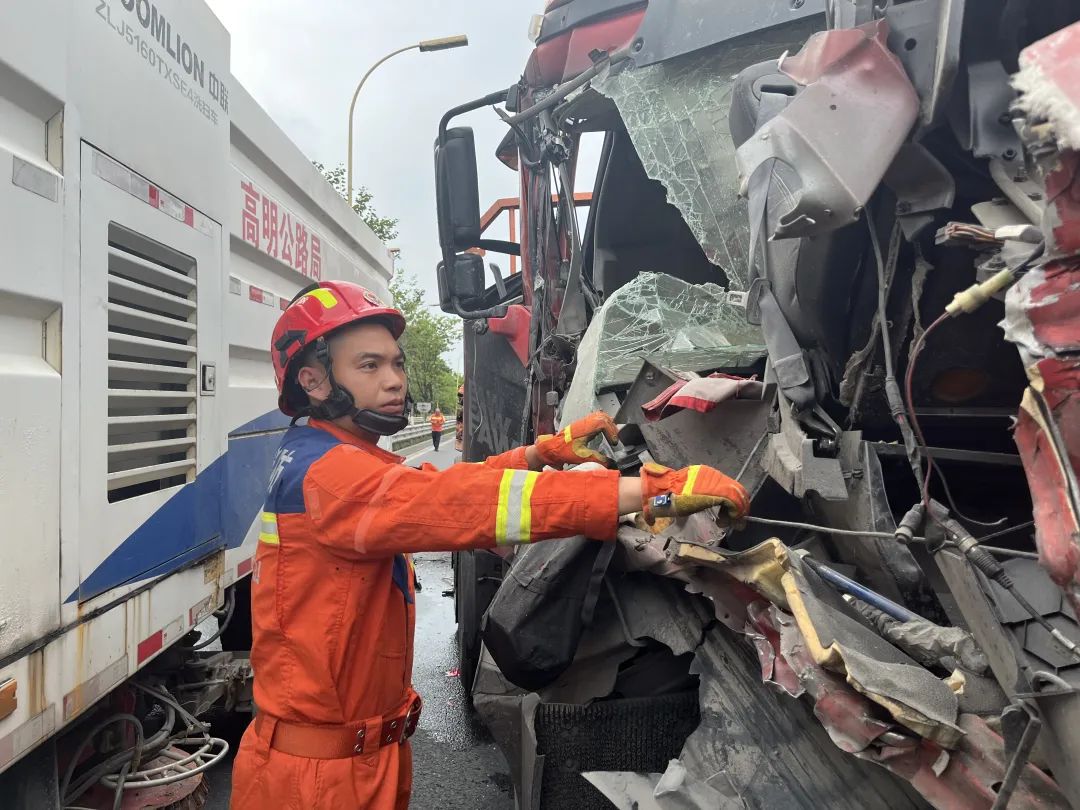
point(314, 313)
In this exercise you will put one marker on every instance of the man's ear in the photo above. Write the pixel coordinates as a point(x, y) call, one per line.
point(314, 380)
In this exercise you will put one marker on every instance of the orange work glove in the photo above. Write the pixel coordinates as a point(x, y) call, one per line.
point(676, 493)
point(568, 445)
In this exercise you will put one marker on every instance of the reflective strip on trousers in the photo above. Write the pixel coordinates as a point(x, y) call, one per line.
point(269, 533)
point(513, 517)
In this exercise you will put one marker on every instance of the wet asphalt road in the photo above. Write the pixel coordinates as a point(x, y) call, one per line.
point(455, 763)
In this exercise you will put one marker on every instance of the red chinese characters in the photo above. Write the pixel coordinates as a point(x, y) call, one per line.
point(278, 232)
point(285, 234)
point(250, 215)
point(300, 261)
point(270, 226)
point(316, 258)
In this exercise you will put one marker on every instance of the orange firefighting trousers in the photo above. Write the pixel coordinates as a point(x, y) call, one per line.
point(333, 600)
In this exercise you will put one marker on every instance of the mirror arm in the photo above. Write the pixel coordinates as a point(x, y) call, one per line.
point(499, 246)
point(476, 315)
point(498, 97)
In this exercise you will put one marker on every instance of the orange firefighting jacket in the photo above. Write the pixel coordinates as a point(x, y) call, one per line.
point(437, 422)
point(333, 600)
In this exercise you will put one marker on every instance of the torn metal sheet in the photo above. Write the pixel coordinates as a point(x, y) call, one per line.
point(854, 83)
point(738, 439)
point(838, 641)
point(724, 752)
point(674, 27)
point(965, 779)
point(1048, 438)
point(1047, 81)
point(729, 597)
point(1043, 309)
point(764, 743)
point(1063, 211)
point(677, 115)
point(775, 668)
point(847, 716)
point(644, 551)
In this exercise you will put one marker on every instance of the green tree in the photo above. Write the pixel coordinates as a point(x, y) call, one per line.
point(427, 337)
point(384, 227)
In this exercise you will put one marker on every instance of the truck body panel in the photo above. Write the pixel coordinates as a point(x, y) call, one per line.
point(155, 222)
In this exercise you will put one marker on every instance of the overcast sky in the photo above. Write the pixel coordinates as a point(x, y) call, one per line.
point(301, 62)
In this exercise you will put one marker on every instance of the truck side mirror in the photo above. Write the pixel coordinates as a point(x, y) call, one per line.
point(463, 281)
point(457, 192)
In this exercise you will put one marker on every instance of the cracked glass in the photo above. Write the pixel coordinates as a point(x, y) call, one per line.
point(686, 327)
point(676, 113)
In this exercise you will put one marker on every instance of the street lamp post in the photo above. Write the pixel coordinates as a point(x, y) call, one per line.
point(424, 46)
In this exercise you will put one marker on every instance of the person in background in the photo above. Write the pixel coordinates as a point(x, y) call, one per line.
point(437, 422)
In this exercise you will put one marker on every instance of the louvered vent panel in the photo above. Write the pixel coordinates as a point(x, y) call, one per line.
point(152, 366)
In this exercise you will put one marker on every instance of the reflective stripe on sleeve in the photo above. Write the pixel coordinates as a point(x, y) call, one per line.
point(567, 435)
point(691, 479)
point(269, 533)
point(513, 516)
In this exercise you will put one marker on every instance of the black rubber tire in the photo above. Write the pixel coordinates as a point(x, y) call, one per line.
point(468, 618)
point(477, 575)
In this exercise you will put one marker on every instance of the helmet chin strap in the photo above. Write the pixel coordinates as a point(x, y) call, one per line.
point(381, 424)
point(341, 403)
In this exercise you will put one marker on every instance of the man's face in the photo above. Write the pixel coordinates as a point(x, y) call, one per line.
point(369, 364)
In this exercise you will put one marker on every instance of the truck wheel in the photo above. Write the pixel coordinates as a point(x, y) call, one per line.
point(476, 579)
point(468, 618)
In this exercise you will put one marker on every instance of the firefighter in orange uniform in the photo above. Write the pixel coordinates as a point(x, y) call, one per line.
point(332, 587)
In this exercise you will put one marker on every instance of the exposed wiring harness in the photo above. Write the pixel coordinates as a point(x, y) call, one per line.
point(966, 301)
point(904, 415)
point(892, 389)
point(909, 538)
point(909, 377)
point(978, 555)
point(120, 771)
point(69, 792)
point(209, 750)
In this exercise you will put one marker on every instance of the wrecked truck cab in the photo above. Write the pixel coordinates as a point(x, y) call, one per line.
point(894, 217)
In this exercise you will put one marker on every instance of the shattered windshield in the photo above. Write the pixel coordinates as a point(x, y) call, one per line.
point(689, 327)
point(676, 113)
